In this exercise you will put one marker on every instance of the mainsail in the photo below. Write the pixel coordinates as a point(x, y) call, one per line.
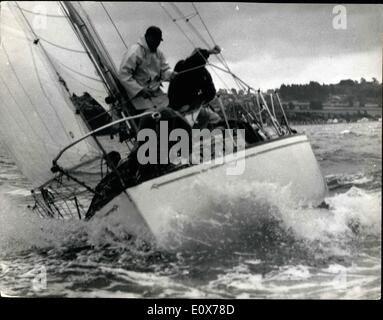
point(37, 78)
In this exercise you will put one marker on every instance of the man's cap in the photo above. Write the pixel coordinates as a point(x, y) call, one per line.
point(154, 31)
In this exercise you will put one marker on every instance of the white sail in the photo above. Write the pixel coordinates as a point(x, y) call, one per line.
point(37, 117)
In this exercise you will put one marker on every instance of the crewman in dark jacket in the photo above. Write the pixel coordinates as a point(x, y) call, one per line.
point(193, 86)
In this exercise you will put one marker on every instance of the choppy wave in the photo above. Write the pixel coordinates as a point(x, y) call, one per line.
point(253, 216)
point(252, 242)
point(256, 225)
point(238, 215)
point(343, 182)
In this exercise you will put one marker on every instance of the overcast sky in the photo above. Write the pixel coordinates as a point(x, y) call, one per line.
point(264, 44)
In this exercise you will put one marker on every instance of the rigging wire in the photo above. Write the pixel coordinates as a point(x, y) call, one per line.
point(34, 33)
point(83, 84)
point(188, 70)
point(210, 35)
point(199, 35)
point(240, 83)
point(192, 43)
point(21, 128)
point(23, 114)
point(44, 92)
point(195, 30)
point(188, 17)
point(107, 89)
point(220, 55)
point(107, 66)
point(41, 14)
point(14, 71)
point(114, 25)
point(190, 25)
point(179, 27)
point(102, 70)
point(111, 92)
point(41, 46)
point(275, 121)
point(92, 59)
point(206, 28)
point(26, 93)
point(58, 46)
point(76, 72)
point(223, 61)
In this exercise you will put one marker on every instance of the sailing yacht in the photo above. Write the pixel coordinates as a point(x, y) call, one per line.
point(62, 156)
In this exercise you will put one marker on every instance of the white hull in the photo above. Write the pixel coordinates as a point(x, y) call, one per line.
point(151, 206)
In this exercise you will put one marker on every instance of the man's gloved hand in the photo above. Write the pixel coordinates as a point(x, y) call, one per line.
point(215, 50)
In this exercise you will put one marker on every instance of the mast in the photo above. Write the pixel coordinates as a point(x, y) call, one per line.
point(98, 55)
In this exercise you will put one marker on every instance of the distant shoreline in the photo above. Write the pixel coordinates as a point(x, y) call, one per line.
point(328, 123)
point(333, 116)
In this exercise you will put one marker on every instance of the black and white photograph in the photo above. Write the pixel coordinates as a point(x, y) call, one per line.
point(190, 150)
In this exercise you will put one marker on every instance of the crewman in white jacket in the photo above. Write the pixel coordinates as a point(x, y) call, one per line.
point(142, 70)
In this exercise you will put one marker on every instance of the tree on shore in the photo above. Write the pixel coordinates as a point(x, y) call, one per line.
point(348, 91)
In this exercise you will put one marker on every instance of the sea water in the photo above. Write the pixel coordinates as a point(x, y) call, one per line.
point(252, 241)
